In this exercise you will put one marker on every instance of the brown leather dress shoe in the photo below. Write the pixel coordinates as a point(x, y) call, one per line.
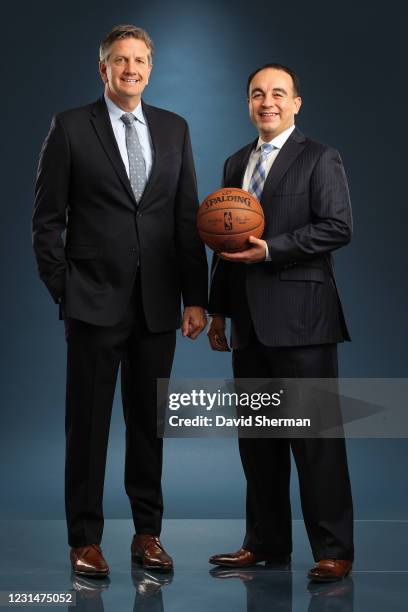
point(330, 570)
point(89, 561)
point(149, 551)
point(246, 558)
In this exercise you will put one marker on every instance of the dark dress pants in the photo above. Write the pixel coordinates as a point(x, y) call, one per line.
point(94, 356)
point(321, 464)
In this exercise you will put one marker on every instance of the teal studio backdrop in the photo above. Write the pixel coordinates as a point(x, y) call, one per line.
point(350, 62)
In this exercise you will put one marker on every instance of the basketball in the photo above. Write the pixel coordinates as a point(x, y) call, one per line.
point(226, 219)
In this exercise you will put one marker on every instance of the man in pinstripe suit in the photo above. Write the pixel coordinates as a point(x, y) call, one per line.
point(286, 321)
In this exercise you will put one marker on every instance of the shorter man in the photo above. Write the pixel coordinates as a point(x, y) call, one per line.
point(286, 320)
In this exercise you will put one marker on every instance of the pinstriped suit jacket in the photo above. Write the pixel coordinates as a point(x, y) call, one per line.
point(291, 300)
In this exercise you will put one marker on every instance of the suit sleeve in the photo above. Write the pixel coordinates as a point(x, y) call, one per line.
point(219, 295)
point(51, 201)
point(191, 251)
point(331, 227)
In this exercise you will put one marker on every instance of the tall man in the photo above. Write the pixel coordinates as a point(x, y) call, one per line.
point(118, 176)
point(286, 321)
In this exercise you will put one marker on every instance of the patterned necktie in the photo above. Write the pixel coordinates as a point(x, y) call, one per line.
point(256, 184)
point(137, 166)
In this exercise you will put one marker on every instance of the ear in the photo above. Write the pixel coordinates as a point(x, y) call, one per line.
point(102, 71)
point(149, 72)
point(298, 104)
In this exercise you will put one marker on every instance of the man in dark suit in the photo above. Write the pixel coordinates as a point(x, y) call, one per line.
point(118, 176)
point(286, 320)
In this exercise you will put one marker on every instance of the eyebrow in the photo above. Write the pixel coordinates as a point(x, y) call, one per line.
point(127, 56)
point(275, 90)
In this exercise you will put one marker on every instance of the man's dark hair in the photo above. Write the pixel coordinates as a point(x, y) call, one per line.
point(295, 79)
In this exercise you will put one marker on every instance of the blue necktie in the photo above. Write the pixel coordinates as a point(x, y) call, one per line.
point(137, 166)
point(256, 184)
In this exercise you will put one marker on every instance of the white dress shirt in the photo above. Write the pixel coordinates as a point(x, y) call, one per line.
point(119, 129)
point(278, 142)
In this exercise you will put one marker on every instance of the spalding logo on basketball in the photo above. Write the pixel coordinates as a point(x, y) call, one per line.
point(227, 217)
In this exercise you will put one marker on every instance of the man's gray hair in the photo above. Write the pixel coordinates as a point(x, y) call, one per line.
point(119, 33)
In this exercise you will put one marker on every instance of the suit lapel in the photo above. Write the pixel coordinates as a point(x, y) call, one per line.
point(286, 157)
point(238, 171)
point(103, 127)
point(154, 130)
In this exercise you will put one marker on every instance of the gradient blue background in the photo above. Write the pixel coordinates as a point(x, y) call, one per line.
point(350, 62)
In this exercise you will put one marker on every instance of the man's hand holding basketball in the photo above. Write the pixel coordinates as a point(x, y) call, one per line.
point(256, 253)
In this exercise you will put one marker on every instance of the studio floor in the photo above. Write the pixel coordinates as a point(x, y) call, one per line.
point(34, 558)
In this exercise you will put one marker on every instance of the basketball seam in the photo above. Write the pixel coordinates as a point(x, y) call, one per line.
point(229, 235)
point(207, 212)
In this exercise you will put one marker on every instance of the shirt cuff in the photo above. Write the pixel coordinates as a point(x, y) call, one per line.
point(267, 256)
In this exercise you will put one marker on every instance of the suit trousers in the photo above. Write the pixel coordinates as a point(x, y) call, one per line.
point(321, 463)
point(93, 359)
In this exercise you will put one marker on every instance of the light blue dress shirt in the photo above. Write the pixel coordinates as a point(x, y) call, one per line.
point(278, 143)
point(119, 129)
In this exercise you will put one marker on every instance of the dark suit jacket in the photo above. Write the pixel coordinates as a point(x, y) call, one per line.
point(291, 300)
point(82, 186)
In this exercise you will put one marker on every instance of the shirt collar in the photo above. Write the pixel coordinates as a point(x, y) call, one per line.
point(115, 112)
point(278, 141)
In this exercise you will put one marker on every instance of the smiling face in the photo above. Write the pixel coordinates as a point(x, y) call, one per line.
point(126, 72)
point(272, 102)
